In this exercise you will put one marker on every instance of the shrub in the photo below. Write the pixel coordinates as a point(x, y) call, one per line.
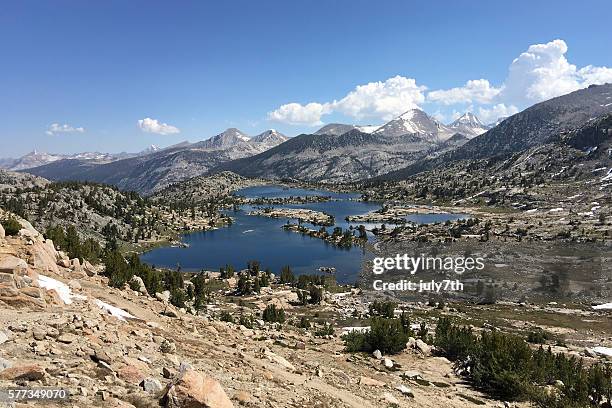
point(538, 336)
point(501, 365)
point(70, 242)
point(316, 295)
point(304, 323)
point(383, 308)
point(117, 269)
point(453, 341)
point(304, 281)
point(386, 335)
point(505, 366)
point(227, 272)
point(245, 286)
point(11, 226)
point(355, 341)
point(302, 297)
point(226, 317)
point(286, 275)
point(134, 285)
point(247, 321)
point(325, 330)
point(178, 297)
point(272, 314)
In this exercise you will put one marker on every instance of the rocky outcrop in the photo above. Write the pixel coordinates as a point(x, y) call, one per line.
point(43, 256)
point(22, 259)
point(138, 283)
point(197, 390)
point(32, 372)
point(19, 283)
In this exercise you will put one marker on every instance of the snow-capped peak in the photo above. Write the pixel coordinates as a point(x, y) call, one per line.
point(468, 125)
point(469, 118)
point(149, 150)
point(415, 121)
point(37, 158)
point(272, 137)
point(233, 132)
point(409, 115)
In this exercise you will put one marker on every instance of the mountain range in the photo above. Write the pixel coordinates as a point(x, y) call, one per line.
point(381, 149)
point(36, 158)
point(147, 173)
point(337, 153)
point(469, 125)
point(345, 153)
point(539, 124)
point(413, 121)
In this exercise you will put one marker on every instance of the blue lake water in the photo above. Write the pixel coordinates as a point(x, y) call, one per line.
point(263, 239)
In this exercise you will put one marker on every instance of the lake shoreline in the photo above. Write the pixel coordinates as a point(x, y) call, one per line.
point(250, 237)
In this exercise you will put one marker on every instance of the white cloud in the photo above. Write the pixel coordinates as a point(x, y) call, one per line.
point(154, 126)
point(542, 72)
point(476, 90)
point(595, 75)
point(297, 114)
point(439, 116)
point(380, 100)
point(56, 128)
point(492, 114)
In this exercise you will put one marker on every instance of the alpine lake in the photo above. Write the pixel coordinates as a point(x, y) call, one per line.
point(263, 239)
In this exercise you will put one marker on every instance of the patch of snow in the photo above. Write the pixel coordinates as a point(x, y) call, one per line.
point(556, 209)
point(605, 306)
point(532, 210)
point(63, 291)
point(113, 310)
point(561, 171)
point(604, 351)
point(367, 129)
point(476, 195)
point(591, 149)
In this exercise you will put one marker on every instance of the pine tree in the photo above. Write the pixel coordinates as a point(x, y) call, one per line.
point(287, 275)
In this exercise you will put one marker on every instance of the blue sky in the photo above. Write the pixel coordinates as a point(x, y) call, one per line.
point(78, 76)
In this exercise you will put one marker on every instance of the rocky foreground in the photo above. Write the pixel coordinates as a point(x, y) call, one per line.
point(62, 326)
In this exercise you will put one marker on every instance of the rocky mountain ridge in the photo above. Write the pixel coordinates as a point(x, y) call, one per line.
point(468, 125)
point(339, 153)
point(150, 173)
point(37, 159)
point(540, 124)
point(415, 122)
